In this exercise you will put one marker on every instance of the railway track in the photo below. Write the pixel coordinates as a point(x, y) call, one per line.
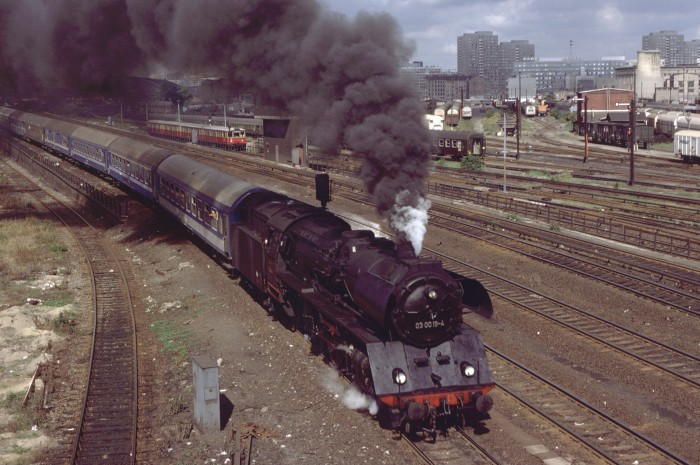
point(106, 431)
point(608, 438)
point(671, 284)
point(456, 448)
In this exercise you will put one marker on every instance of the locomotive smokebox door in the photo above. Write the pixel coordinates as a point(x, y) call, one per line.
point(323, 189)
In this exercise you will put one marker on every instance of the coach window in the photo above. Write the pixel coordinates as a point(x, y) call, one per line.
point(222, 225)
point(441, 142)
point(199, 209)
point(214, 215)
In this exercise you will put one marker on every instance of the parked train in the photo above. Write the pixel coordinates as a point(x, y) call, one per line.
point(434, 122)
point(391, 322)
point(224, 137)
point(666, 123)
point(252, 125)
point(457, 144)
point(528, 109)
point(452, 116)
point(686, 145)
point(615, 130)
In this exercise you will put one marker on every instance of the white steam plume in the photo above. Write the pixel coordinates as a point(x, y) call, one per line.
point(410, 220)
point(349, 395)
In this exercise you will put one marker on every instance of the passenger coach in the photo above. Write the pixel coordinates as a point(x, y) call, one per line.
point(202, 198)
point(457, 144)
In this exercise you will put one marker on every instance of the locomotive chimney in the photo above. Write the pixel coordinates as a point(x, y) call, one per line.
point(404, 250)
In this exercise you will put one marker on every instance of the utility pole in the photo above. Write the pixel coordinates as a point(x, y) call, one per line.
point(517, 119)
point(585, 124)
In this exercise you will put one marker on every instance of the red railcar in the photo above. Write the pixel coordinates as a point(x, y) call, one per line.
point(230, 138)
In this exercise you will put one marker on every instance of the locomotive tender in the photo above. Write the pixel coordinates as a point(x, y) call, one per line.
point(389, 321)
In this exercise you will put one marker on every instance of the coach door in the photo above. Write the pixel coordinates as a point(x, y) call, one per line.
point(195, 137)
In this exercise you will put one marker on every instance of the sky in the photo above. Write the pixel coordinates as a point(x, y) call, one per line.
point(598, 28)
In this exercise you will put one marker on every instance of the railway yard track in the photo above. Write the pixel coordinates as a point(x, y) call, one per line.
point(455, 448)
point(658, 263)
point(608, 438)
point(105, 429)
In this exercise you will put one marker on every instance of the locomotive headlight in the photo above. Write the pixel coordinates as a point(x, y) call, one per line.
point(399, 376)
point(467, 369)
point(432, 294)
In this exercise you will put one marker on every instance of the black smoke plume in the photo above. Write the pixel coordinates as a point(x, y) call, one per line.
point(339, 75)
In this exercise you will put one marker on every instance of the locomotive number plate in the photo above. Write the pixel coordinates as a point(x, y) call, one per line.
point(430, 324)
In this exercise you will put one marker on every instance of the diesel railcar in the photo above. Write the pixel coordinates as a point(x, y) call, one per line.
point(224, 137)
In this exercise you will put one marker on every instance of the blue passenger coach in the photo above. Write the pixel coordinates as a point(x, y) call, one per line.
point(202, 198)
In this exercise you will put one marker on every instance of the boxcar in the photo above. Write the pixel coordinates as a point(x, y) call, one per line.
point(686, 145)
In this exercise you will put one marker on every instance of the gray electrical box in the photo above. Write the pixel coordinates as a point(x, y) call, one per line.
point(207, 413)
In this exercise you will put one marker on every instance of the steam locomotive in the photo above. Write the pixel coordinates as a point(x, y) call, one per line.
point(390, 321)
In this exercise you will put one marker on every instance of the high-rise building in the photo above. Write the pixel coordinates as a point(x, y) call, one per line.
point(554, 75)
point(670, 44)
point(476, 53)
point(415, 73)
point(479, 54)
point(692, 50)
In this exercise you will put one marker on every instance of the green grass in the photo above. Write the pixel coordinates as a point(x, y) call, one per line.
point(59, 300)
point(175, 339)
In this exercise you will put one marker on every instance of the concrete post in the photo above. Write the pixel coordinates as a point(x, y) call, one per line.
point(207, 412)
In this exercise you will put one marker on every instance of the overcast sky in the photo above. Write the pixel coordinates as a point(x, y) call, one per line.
point(598, 28)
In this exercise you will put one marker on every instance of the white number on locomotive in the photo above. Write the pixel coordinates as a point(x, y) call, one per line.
point(429, 324)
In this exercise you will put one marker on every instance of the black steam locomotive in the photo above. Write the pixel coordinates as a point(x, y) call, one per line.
point(391, 322)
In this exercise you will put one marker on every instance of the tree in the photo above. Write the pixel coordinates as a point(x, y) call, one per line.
point(175, 93)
